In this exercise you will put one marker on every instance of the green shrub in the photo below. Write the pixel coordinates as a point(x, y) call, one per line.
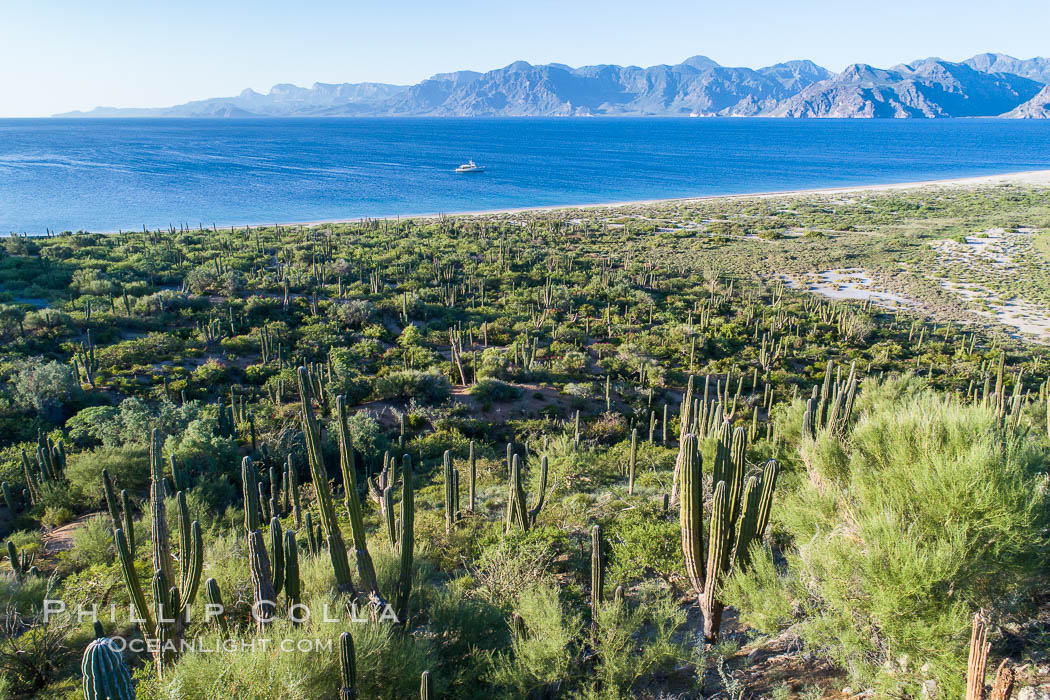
point(542, 656)
point(930, 511)
point(644, 541)
point(489, 391)
point(759, 593)
point(93, 542)
point(426, 387)
point(128, 468)
point(56, 516)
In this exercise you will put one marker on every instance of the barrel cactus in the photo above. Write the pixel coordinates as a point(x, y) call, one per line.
point(106, 677)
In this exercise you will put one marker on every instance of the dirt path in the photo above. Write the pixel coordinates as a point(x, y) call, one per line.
point(61, 538)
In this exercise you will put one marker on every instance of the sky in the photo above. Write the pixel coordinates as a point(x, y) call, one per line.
point(60, 55)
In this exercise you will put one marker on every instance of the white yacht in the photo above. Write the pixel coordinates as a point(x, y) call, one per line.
point(470, 167)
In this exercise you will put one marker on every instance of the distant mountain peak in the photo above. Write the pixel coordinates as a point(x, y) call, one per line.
point(700, 62)
point(988, 84)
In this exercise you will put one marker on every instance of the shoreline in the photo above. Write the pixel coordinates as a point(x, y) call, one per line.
point(1035, 178)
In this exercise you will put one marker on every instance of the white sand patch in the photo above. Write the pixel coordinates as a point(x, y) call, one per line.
point(1028, 318)
point(849, 284)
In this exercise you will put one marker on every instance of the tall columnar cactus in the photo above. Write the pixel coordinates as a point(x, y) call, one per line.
point(365, 568)
point(31, 484)
point(451, 490)
point(312, 434)
point(293, 492)
point(311, 537)
point(292, 582)
point(733, 526)
point(129, 522)
point(278, 555)
point(263, 592)
point(691, 512)
point(21, 562)
point(518, 512)
point(407, 537)
point(388, 516)
point(218, 612)
point(111, 499)
point(686, 416)
point(172, 594)
point(9, 498)
point(347, 668)
point(634, 458)
point(830, 408)
point(105, 675)
point(597, 570)
point(473, 474)
point(85, 361)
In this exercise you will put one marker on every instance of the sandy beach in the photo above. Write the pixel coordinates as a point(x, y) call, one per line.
point(1031, 178)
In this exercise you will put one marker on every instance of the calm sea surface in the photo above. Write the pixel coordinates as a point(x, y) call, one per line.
point(105, 175)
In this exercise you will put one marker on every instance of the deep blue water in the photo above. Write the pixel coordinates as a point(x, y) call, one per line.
point(104, 175)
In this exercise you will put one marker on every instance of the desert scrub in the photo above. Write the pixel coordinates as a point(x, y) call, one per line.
point(542, 649)
point(489, 391)
point(128, 468)
point(388, 663)
point(929, 511)
point(643, 542)
point(761, 594)
point(633, 641)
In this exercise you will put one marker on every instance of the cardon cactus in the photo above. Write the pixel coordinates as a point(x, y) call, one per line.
point(736, 520)
point(21, 562)
point(347, 668)
point(473, 475)
point(9, 498)
point(597, 570)
point(407, 541)
point(277, 555)
point(218, 613)
point(292, 584)
point(258, 560)
point(518, 512)
point(634, 458)
point(105, 675)
point(312, 435)
point(365, 568)
point(447, 471)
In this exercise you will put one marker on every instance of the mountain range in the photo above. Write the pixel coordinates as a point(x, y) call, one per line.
point(987, 85)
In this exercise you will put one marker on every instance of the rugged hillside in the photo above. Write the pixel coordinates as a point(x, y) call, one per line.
point(986, 85)
point(929, 88)
point(1036, 108)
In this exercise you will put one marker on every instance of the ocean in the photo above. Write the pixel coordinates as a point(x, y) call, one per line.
point(107, 175)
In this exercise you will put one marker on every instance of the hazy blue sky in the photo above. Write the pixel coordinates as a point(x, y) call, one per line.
point(71, 54)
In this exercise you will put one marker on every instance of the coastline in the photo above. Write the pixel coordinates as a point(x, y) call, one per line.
point(1032, 178)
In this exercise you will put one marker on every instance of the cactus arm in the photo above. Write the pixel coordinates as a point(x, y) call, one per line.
point(312, 434)
point(541, 497)
point(691, 512)
point(769, 482)
point(404, 582)
point(597, 570)
point(131, 580)
point(347, 668)
point(277, 549)
point(129, 523)
point(292, 584)
point(365, 567)
point(717, 562)
point(196, 566)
